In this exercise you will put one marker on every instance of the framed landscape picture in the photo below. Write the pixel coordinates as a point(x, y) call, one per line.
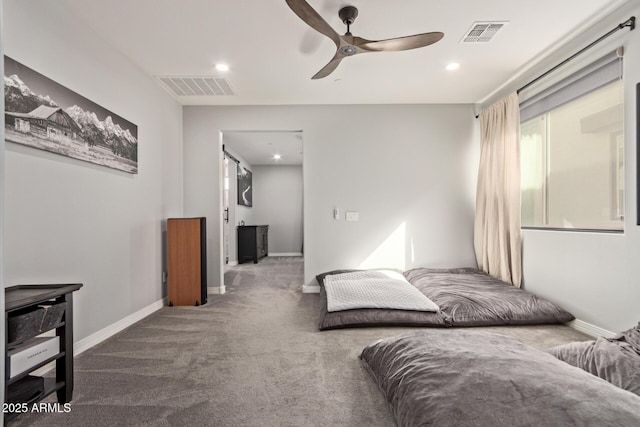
point(245, 191)
point(43, 114)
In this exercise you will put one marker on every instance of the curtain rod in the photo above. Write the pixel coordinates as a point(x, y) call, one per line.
point(631, 23)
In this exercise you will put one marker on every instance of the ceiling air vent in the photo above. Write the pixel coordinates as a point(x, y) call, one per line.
point(197, 86)
point(482, 32)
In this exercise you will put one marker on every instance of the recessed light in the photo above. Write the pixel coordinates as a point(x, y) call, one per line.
point(453, 66)
point(277, 156)
point(222, 67)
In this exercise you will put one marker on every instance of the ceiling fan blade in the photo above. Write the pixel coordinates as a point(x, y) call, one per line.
point(399, 43)
point(330, 67)
point(313, 19)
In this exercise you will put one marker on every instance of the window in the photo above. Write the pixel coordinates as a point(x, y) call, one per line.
point(572, 154)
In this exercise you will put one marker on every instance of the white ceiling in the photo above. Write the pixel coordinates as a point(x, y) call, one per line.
point(273, 54)
point(258, 148)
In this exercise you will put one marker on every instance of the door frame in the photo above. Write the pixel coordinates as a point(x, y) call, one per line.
point(220, 242)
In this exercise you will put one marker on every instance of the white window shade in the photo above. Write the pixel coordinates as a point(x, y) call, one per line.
point(599, 73)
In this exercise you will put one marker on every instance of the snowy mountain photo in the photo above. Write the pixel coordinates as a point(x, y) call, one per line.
point(44, 114)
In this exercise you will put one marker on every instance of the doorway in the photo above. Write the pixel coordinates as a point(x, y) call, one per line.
point(263, 186)
point(225, 206)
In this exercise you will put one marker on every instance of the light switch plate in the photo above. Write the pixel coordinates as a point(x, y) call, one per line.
point(353, 216)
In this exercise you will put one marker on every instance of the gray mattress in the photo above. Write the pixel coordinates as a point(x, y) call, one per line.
point(474, 378)
point(466, 297)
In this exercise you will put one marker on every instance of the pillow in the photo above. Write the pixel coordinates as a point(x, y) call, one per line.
point(374, 289)
point(320, 277)
point(616, 360)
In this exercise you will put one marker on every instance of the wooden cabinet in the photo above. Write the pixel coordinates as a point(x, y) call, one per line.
point(30, 311)
point(253, 242)
point(186, 261)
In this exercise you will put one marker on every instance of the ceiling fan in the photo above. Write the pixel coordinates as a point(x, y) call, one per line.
point(348, 44)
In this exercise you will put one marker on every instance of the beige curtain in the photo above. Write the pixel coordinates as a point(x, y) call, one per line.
point(497, 237)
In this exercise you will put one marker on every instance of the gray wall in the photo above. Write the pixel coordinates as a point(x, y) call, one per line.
point(594, 275)
point(410, 171)
point(277, 202)
point(71, 221)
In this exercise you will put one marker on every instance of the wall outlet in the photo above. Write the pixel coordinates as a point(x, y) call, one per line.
point(336, 214)
point(353, 216)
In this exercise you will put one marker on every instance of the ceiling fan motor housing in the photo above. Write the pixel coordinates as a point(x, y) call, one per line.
point(348, 14)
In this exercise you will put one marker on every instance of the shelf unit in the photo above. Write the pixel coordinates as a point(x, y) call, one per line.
point(22, 298)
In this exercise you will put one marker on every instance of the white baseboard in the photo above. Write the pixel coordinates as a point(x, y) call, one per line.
point(97, 337)
point(232, 263)
point(590, 329)
point(306, 289)
point(216, 290)
point(285, 254)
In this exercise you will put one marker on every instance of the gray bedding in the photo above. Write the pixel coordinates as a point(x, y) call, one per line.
point(470, 297)
point(466, 297)
point(616, 360)
point(474, 378)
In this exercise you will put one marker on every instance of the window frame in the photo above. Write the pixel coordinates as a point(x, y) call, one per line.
point(616, 181)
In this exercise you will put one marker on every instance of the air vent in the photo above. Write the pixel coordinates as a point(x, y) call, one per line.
point(482, 32)
point(197, 86)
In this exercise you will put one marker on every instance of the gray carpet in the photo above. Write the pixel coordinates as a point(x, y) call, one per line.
point(251, 357)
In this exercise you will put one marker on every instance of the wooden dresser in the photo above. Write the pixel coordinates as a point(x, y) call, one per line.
point(253, 242)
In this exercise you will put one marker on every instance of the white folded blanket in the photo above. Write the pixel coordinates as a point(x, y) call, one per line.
point(374, 289)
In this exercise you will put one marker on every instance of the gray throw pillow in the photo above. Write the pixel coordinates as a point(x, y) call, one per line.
point(616, 360)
